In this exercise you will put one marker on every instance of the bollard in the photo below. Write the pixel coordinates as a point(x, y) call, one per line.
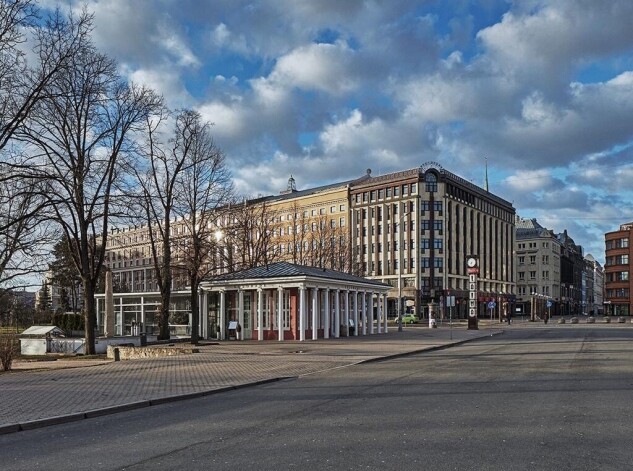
point(117, 354)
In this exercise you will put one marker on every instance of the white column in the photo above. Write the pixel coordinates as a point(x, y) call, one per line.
point(326, 312)
point(240, 313)
point(315, 313)
point(302, 313)
point(370, 313)
point(346, 316)
point(260, 314)
point(222, 315)
point(280, 313)
point(384, 312)
point(337, 313)
point(379, 312)
point(364, 308)
point(355, 307)
point(143, 330)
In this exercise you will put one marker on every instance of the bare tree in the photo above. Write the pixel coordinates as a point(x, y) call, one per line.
point(56, 40)
point(203, 189)
point(157, 177)
point(296, 238)
point(78, 131)
point(24, 232)
point(251, 235)
point(328, 245)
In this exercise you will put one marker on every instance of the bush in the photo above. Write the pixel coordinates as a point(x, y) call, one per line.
point(8, 349)
point(68, 321)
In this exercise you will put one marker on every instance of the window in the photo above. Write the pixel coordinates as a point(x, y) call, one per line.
point(437, 244)
point(372, 195)
point(285, 309)
point(521, 260)
point(424, 206)
point(532, 275)
point(437, 225)
point(545, 274)
point(545, 259)
point(341, 207)
point(431, 182)
point(396, 191)
point(532, 259)
point(521, 275)
point(332, 209)
point(341, 222)
point(388, 191)
point(425, 243)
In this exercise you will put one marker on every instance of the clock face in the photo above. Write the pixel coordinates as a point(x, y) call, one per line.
point(471, 262)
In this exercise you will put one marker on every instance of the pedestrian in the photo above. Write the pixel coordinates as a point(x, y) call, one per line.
point(545, 318)
point(509, 317)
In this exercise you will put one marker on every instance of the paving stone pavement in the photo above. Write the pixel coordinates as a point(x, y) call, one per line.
point(45, 393)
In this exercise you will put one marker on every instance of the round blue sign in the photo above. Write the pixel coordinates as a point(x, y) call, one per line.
point(491, 305)
point(549, 303)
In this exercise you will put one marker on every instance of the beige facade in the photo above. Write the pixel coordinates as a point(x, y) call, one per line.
point(412, 230)
point(538, 254)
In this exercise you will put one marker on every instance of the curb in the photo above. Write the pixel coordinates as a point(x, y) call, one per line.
point(62, 419)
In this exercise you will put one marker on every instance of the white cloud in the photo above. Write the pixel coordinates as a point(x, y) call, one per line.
point(324, 67)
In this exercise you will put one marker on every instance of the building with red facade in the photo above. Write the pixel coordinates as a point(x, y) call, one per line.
point(617, 271)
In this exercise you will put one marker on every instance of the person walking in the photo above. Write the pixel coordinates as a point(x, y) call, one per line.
point(545, 318)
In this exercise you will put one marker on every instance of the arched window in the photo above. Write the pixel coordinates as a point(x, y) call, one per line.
point(431, 182)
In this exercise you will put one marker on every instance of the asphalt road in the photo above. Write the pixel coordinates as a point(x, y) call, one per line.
point(532, 398)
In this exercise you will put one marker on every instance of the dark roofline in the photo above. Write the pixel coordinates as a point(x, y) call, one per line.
point(291, 270)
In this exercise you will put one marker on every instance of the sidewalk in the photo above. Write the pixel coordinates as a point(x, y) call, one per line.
point(68, 390)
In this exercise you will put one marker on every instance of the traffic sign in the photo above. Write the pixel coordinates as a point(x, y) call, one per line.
point(549, 303)
point(491, 305)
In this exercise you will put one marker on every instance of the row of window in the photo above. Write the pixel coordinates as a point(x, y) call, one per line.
point(381, 194)
point(617, 260)
point(618, 276)
point(618, 293)
point(544, 275)
point(622, 243)
point(529, 290)
point(532, 259)
point(532, 245)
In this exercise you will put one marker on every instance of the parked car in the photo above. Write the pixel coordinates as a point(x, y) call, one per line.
point(409, 319)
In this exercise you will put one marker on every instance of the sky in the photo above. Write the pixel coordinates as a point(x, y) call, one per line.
point(324, 89)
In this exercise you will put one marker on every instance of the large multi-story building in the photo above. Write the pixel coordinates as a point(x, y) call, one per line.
point(412, 229)
point(595, 294)
point(572, 275)
point(617, 271)
point(538, 255)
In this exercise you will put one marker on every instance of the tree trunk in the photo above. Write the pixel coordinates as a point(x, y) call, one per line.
point(163, 321)
point(90, 316)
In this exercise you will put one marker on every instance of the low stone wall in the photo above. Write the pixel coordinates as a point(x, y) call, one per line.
point(125, 352)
